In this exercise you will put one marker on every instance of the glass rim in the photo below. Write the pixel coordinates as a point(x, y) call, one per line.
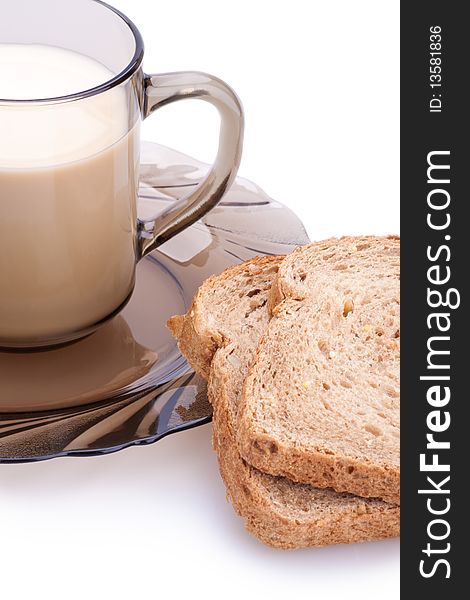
point(121, 77)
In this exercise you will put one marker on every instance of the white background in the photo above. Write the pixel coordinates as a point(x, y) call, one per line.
point(319, 82)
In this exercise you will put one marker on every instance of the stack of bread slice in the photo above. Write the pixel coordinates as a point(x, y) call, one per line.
point(301, 355)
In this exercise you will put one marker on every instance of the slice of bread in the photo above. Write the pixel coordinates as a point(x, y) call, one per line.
point(219, 336)
point(321, 401)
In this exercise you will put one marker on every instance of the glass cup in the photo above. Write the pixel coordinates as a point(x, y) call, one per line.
point(70, 236)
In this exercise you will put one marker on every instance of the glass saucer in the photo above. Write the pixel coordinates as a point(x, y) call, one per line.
point(127, 384)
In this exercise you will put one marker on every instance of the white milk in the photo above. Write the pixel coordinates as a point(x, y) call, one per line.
point(68, 183)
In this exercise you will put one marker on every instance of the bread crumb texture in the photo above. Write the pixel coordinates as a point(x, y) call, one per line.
point(321, 403)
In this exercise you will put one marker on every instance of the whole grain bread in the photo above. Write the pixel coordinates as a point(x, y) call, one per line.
point(321, 401)
point(219, 336)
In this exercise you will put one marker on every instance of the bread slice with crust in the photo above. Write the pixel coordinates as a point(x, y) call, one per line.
point(219, 336)
point(321, 400)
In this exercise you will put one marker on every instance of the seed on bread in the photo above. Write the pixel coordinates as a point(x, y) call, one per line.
point(234, 360)
point(348, 307)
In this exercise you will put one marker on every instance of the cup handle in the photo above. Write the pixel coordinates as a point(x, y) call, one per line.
point(160, 90)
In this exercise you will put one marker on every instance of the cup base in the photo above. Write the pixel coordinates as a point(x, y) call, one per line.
point(43, 345)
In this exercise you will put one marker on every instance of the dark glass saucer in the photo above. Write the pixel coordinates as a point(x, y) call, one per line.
point(127, 384)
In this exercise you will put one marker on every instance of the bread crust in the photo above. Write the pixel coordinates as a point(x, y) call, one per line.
point(319, 468)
